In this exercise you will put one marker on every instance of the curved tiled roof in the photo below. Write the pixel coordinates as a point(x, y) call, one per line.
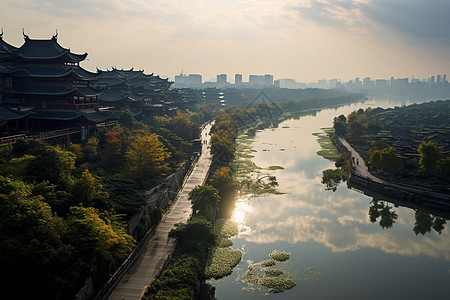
point(46, 49)
point(7, 114)
point(56, 114)
point(88, 91)
point(40, 89)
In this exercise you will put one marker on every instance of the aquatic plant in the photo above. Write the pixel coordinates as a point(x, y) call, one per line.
point(226, 228)
point(272, 168)
point(273, 273)
point(277, 285)
point(267, 263)
point(328, 150)
point(276, 280)
point(223, 258)
point(279, 255)
point(222, 262)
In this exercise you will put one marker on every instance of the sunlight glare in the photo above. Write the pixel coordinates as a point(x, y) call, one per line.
point(241, 209)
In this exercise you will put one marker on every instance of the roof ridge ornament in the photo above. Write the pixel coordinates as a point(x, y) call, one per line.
point(26, 37)
point(55, 37)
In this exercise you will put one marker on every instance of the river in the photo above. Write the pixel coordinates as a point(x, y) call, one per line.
point(336, 251)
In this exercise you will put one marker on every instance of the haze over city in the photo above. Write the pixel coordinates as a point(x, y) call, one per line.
point(304, 40)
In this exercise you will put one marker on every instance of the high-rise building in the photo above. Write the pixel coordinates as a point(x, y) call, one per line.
point(221, 78)
point(256, 80)
point(268, 80)
point(238, 79)
point(188, 81)
point(322, 83)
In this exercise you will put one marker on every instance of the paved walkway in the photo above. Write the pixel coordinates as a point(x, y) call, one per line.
point(358, 162)
point(362, 170)
point(155, 253)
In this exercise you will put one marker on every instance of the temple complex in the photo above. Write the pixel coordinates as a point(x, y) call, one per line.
point(44, 92)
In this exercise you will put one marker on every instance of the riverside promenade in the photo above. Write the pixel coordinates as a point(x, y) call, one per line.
point(159, 248)
point(400, 190)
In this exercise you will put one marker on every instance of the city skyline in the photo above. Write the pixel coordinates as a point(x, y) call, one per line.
point(304, 40)
point(258, 79)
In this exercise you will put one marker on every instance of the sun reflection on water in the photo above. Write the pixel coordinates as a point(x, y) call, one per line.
point(242, 207)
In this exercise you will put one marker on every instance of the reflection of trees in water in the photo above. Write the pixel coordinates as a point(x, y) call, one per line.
point(383, 211)
point(424, 222)
point(332, 177)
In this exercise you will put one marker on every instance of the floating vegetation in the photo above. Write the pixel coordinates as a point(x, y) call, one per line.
point(247, 175)
point(222, 262)
point(279, 255)
point(273, 273)
point(286, 127)
point(223, 243)
point(226, 228)
point(272, 168)
point(276, 280)
point(267, 263)
point(251, 276)
point(282, 149)
point(223, 258)
point(328, 150)
point(311, 269)
point(277, 285)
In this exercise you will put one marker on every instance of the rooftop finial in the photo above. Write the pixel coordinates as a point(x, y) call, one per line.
point(55, 36)
point(26, 37)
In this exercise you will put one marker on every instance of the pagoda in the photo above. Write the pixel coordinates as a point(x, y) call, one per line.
point(44, 88)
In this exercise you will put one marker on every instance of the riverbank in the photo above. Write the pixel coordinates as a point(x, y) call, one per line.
point(360, 175)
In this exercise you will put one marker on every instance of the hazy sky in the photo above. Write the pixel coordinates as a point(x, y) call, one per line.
point(302, 39)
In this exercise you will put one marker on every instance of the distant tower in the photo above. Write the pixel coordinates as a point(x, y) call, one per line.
point(238, 79)
point(268, 80)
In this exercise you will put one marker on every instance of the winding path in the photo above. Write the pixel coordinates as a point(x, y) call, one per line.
point(358, 162)
point(361, 170)
point(156, 252)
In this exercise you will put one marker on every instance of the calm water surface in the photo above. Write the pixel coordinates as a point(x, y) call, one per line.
point(336, 251)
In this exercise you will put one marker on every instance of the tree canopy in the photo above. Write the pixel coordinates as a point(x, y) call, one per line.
point(205, 200)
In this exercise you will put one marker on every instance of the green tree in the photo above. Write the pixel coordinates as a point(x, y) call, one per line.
point(32, 244)
point(354, 129)
point(205, 201)
point(100, 241)
point(51, 164)
point(88, 191)
point(221, 178)
point(90, 148)
point(198, 230)
point(127, 119)
point(386, 159)
point(146, 158)
point(430, 154)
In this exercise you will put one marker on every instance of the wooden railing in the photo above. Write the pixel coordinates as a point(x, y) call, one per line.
point(12, 139)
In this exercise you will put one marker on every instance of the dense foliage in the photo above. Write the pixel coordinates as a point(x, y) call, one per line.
point(62, 211)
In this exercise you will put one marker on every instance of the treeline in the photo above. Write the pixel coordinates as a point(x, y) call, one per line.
point(63, 211)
